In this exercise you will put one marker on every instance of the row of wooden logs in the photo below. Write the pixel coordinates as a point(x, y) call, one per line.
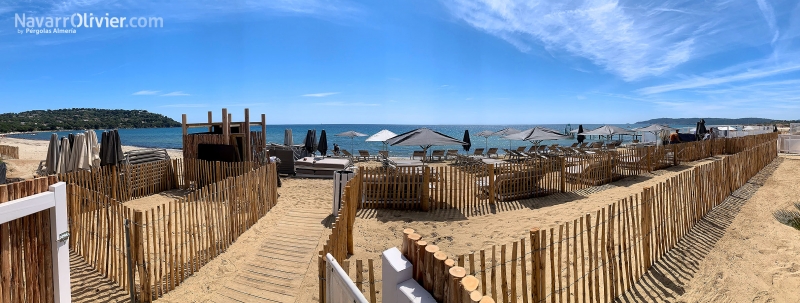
point(438, 274)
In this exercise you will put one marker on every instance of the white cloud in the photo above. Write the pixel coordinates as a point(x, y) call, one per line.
point(700, 81)
point(183, 105)
point(175, 94)
point(769, 15)
point(346, 104)
point(629, 38)
point(318, 95)
point(146, 92)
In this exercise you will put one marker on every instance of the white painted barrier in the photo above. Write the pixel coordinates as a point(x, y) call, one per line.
point(339, 287)
point(398, 286)
point(54, 201)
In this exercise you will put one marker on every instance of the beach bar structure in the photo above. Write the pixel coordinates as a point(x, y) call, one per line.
point(247, 144)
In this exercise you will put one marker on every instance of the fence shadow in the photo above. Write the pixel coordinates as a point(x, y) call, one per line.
point(90, 286)
point(666, 280)
point(388, 215)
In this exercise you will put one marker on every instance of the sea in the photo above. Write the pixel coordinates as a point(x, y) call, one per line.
point(170, 138)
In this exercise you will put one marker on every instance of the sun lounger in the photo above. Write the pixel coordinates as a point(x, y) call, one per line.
point(451, 153)
point(348, 155)
point(478, 152)
point(419, 153)
point(437, 154)
point(384, 154)
point(363, 154)
point(521, 149)
point(492, 151)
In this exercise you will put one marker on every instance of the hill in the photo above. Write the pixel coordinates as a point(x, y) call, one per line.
point(711, 121)
point(82, 118)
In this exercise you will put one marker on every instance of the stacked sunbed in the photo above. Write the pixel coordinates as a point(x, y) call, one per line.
point(319, 167)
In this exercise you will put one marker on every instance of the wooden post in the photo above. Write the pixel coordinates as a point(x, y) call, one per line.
point(645, 226)
point(563, 183)
point(456, 273)
point(426, 180)
point(264, 129)
point(419, 262)
point(248, 151)
point(404, 248)
point(439, 275)
point(536, 270)
point(469, 285)
point(226, 128)
point(210, 122)
point(138, 255)
point(491, 184)
point(428, 271)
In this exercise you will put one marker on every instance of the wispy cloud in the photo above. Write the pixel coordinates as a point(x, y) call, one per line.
point(632, 39)
point(769, 15)
point(346, 104)
point(146, 92)
point(700, 81)
point(175, 94)
point(185, 105)
point(318, 95)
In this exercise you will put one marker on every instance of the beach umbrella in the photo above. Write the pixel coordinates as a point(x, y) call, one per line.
point(467, 140)
point(287, 137)
point(581, 137)
point(94, 148)
point(51, 162)
point(424, 138)
point(64, 152)
point(322, 147)
point(350, 134)
point(110, 148)
point(609, 130)
point(505, 132)
point(382, 136)
point(703, 126)
point(308, 143)
point(485, 134)
point(536, 135)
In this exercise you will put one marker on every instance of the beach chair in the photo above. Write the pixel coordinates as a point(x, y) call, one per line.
point(451, 153)
point(419, 153)
point(437, 154)
point(583, 145)
point(509, 154)
point(384, 154)
point(348, 155)
point(574, 145)
point(478, 152)
point(492, 151)
point(521, 149)
point(363, 154)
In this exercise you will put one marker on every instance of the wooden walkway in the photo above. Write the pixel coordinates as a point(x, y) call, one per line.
point(276, 272)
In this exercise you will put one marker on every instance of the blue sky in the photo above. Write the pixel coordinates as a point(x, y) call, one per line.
point(413, 61)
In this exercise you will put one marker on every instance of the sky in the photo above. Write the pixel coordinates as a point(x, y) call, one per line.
point(409, 61)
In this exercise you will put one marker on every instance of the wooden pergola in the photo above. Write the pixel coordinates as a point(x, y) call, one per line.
point(226, 137)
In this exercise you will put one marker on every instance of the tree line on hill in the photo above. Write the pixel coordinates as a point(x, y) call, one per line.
point(82, 118)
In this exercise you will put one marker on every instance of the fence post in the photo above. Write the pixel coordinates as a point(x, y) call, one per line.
point(491, 183)
point(563, 183)
point(426, 180)
point(130, 259)
point(144, 277)
point(647, 206)
point(536, 283)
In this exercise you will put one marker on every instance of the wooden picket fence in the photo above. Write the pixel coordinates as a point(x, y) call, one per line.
point(594, 258)
point(471, 188)
point(9, 152)
point(171, 241)
point(127, 182)
point(25, 248)
point(599, 256)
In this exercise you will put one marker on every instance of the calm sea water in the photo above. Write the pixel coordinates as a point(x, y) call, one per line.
point(171, 137)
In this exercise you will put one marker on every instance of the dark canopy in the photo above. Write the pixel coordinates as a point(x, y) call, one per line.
point(322, 147)
point(468, 142)
point(425, 138)
point(308, 143)
point(580, 131)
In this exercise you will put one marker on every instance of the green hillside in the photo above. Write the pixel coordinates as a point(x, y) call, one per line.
point(82, 118)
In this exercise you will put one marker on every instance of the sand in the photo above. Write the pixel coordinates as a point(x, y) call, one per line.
point(31, 152)
point(753, 258)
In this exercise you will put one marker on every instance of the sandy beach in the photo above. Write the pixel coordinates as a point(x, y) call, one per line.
point(753, 260)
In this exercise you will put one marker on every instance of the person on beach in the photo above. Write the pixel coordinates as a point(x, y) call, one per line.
point(336, 149)
point(674, 138)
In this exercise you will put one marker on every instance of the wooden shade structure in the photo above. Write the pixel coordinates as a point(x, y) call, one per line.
point(242, 129)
